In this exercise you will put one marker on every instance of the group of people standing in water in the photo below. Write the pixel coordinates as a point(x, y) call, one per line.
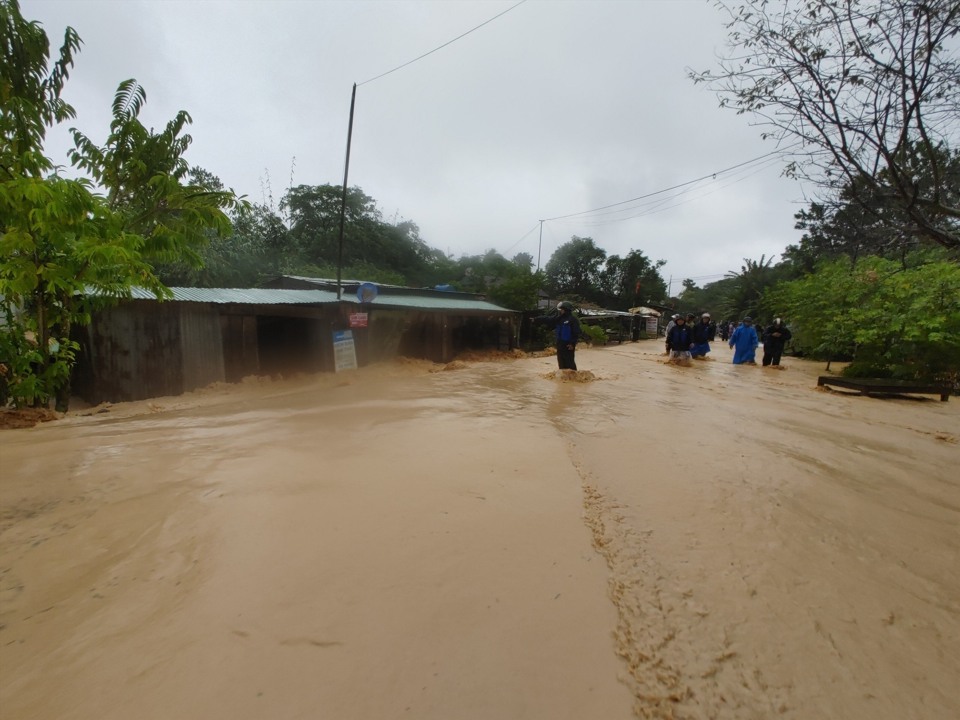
point(688, 339)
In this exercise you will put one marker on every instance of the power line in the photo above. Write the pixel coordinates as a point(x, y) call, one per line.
point(521, 239)
point(667, 203)
point(669, 189)
point(450, 42)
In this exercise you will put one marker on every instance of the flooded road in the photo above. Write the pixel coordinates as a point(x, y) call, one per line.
point(487, 541)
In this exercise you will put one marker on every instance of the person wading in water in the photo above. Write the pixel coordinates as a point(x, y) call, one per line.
point(567, 327)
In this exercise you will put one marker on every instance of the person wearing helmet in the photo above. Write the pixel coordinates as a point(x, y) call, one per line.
point(567, 327)
point(681, 340)
point(702, 335)
point(774, 338)
point(744, 341)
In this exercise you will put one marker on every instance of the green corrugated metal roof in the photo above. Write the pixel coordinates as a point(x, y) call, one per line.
point(264, 296)
point(247, 296)
point(333, 281)
point(435, 303)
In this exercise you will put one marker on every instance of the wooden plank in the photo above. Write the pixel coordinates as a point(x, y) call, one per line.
point(869, 386)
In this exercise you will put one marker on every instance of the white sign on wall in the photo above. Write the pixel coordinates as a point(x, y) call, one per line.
point(344, 351)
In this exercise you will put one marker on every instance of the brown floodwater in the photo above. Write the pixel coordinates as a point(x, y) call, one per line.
point(487, 540)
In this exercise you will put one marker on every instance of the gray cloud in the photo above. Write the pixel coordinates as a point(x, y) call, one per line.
point(554, 108)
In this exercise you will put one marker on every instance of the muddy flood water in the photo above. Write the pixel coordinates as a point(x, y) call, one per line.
point(487, 541)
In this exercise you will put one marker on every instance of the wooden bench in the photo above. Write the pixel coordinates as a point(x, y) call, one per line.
point(870, 386)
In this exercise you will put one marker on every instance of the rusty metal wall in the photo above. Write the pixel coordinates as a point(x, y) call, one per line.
point(201, 346)
point(145, 348)
point(130, 352)
point(241, 356)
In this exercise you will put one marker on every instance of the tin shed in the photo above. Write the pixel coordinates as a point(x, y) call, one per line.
point(145, 348)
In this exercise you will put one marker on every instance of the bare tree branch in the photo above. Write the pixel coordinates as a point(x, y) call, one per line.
point(871, 88)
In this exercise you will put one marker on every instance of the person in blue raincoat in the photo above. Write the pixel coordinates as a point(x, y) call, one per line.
point(744, 342)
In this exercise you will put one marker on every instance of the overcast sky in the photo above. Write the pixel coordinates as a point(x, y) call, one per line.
point(554, 108)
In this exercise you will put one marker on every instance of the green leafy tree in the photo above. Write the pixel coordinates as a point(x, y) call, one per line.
point(746, 288)
point(892, 320)
point(60, 239)
point(631, 281)
point(523, 260)
point(57, 236)
point(242, 258)
point(314, 216)
point(574, 270)
point(30, 90)
point(145, 177)
point(864, 93)
point(509, 283)
point(259, 247)
point(718, 298)
point(851, 227)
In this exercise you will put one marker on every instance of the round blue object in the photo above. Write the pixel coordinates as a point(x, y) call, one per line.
point(367, 292)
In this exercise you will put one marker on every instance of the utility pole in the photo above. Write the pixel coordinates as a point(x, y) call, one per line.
point(343, 202)
point(539, 245)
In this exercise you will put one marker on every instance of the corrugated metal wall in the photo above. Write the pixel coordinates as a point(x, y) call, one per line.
point(134, 351)
point(144, 348)
point(241, 356)
point(201, 346)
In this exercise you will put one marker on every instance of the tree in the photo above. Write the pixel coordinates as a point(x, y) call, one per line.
point(145, 178)
point(847, 228)
point(892, 320)
point(30, 99)
point(523, 260)
point(716, 298)
point(243, 258)
point(314, 213)
point(631, 281)
point(869, 93)
point(509, 283)
point(574, 269)
point(56, 237)
point(745, 289)
point(66, 248)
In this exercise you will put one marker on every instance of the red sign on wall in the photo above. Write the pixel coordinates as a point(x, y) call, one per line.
point(358, 320)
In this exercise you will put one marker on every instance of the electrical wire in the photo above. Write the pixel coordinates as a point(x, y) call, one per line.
point(712, 175)
point(667, 203)
point(521, 239)
point(450, 42)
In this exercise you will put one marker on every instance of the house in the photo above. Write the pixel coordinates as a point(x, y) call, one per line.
point(145, 348)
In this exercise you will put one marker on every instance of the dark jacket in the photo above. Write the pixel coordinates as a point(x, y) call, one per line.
point(771, 341)
point(702, 333)
point(680, 337)
point(566, 325)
